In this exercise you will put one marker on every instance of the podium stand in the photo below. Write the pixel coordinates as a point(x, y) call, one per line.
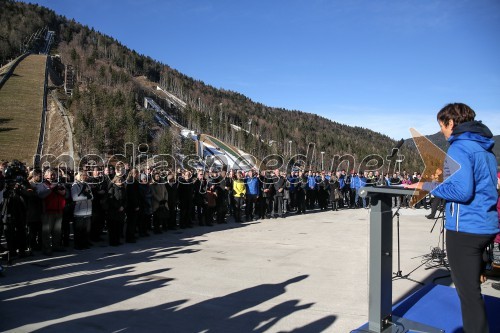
point(380, 318)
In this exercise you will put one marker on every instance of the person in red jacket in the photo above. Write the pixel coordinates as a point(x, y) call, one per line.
point(53, 196)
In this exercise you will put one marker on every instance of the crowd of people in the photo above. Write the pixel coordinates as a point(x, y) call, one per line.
point(42, 209)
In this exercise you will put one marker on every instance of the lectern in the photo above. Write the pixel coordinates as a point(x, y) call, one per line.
point(380, 318)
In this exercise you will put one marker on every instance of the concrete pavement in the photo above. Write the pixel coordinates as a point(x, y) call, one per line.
point(304, 273)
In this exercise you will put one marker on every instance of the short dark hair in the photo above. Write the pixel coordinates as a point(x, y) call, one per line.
point(458, 112)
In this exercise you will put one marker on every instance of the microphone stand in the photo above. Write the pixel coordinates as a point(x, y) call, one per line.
point(399, 274)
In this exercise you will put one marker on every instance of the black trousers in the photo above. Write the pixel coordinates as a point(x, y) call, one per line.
point(97, 223)
point(81, 226)
point(34, 235)
point(116, 220)
point(293, 200)
point(172, 217)
point(221, 208)
point(238, 204)
point(301, 202)
point(261, 207)
point(209, 215)
point(465, 256)
point(185, 208)
point(311, 198)
point(131, 227)
point(278, 206)
point(435, 203)
point(65, 224)
point(269, 205)
point(346, 197)
point(322, 198)
point(251, 200)
point(144, 223)
point(16, 236)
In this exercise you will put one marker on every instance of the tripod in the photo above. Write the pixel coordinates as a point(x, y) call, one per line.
point(399, 274)
point(438, 254)
point(3, 222)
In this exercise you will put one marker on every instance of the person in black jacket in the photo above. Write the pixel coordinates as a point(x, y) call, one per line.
point(117, 202)
point(14, 208)
point(172, 189)
point(200, 190)
point(99, 185)
point(323, 185)
point(293, 180)
point(185, 192)
point(159, 202)
point(133, 205)
point(145, 206)
point(279, 188)
point(346, 189)
point(334, 189)
point(221, 203)
point(260, 206)
point(267, 190)
point(301, 192)
point(229, 188)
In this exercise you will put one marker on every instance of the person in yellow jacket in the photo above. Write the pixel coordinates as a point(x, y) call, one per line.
point(239, 191)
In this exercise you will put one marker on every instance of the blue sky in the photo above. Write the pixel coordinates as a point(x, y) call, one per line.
point(382, 65)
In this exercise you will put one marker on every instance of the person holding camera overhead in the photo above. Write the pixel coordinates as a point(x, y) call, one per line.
point(53, 195)
point(469, 188)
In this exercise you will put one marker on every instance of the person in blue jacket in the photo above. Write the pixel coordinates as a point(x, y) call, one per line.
point(469, 188)
point(293, 180)
point(341, 180)
point(312, 188)
point(252, 184)
point(361, 183)
point(354, 190)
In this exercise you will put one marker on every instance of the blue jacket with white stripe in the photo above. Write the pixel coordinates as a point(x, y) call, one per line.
point(470, 180)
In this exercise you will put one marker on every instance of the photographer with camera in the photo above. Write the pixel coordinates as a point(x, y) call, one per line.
point(14, 208)
point(81, 193)
point(53, 195)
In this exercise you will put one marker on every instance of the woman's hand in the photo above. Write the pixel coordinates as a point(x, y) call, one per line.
point(417, 186)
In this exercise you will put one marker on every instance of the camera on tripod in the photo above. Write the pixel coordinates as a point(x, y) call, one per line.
point(15, 175)
point(14, 181)
point(13, 184)
point(13, 187)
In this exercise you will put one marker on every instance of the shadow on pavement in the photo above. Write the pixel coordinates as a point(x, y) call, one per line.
point(229, 313)
point(88, 292)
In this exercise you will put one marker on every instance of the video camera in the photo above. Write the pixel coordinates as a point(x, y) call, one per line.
point(15, 178)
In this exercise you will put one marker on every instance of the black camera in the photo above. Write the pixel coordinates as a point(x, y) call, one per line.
point(14, 181)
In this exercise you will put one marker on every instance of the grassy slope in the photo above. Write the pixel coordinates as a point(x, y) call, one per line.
point(21, 103)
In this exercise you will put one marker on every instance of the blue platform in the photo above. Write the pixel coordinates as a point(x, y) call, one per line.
point(438, 306)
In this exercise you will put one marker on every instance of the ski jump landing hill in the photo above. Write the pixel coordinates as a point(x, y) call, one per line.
point(210, 149)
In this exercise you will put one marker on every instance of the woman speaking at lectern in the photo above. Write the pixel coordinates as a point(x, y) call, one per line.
point(469, 188)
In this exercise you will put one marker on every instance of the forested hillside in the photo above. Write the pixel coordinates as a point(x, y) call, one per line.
point(107, 102)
